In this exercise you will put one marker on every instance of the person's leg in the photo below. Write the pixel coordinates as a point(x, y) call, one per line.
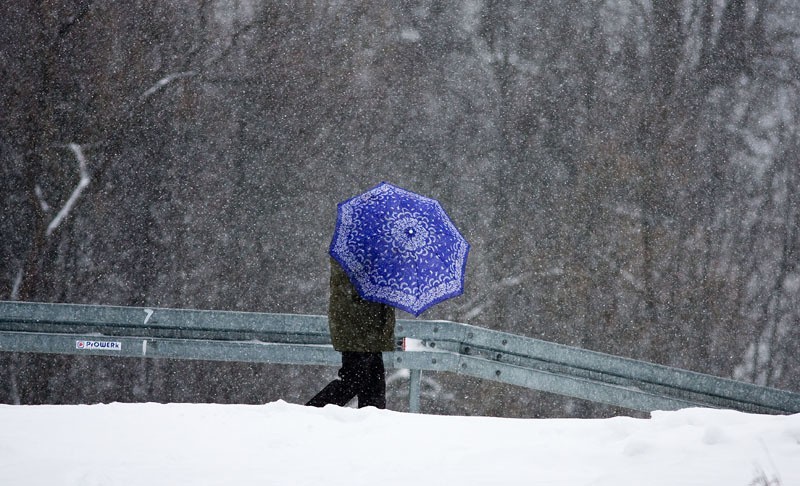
point(372, 385)
point(340, 392)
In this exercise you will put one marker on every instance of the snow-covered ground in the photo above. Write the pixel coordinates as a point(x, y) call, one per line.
point(285, 444)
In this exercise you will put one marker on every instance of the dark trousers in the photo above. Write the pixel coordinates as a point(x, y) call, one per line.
point(362, 375)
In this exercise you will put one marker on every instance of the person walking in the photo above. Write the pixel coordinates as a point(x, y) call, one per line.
point(391, 248)
point(361, 330)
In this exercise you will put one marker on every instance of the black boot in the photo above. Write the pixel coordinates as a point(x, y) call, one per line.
point(372, 386)
point(362, 375)
point(336, 392)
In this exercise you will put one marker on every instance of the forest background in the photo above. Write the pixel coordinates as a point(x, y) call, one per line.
point(625, 170)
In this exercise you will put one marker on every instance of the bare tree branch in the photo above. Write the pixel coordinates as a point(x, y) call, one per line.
point(83, 181)
point(165, 81)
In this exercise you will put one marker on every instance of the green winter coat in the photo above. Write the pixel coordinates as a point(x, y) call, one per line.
point(356, 324)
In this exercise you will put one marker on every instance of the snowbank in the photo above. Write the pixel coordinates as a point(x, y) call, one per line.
point(284, 444)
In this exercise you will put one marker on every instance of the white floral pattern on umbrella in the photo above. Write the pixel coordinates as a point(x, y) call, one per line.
point(399, 248)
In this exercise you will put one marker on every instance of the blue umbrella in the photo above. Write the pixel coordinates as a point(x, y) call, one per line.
point(399, 248)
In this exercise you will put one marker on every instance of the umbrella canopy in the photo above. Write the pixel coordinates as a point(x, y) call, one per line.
point(399, 248)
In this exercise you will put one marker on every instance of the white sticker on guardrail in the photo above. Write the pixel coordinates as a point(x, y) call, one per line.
point(105, 345)
point(411, 344)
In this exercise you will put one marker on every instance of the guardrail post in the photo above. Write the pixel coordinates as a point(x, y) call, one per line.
point(413, 390)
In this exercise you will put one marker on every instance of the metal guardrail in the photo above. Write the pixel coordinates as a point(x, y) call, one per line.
point(442, 346)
